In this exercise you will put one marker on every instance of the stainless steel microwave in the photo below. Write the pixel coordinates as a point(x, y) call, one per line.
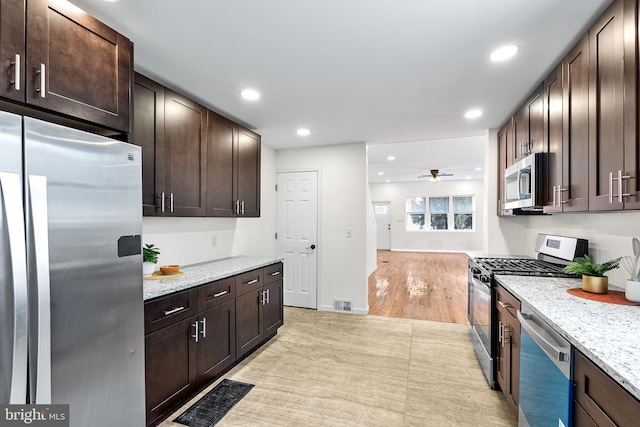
point(523, 183)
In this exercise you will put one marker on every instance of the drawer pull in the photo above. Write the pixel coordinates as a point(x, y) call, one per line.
point(505, 304)
point(173, 311)
point(219, 294)
point(275, 273)
point(251, 282)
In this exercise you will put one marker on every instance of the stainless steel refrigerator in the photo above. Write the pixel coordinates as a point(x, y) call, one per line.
point(71, 307)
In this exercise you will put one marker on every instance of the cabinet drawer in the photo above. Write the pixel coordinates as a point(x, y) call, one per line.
point(169, 310)
point(272, 273)
point(216, 293)
point(507, 301)
point(249, 281)
point(606, 402)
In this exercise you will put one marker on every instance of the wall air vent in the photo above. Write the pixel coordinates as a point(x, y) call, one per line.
point(342, 305)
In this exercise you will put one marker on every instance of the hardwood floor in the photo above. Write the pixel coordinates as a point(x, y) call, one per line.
point(420, 285)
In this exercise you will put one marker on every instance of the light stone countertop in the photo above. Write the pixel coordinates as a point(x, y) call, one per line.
point(205, 272)
point(608, 334)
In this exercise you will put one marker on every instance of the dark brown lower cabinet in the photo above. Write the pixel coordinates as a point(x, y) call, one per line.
point(170, 358)
point(217, 344)
point(598, 399)
point(195, 336)
point(508, 351)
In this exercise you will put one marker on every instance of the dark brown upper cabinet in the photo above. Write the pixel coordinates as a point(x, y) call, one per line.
point(222, 142)
point(185, 136)
point(12, 49)
point(528, 127)
point(553, 105)
point(233, 169)
point(148, 133)
point(73, 64)
point(574, 194)
point(503, 137)
point(606, 109)
point(248, 173)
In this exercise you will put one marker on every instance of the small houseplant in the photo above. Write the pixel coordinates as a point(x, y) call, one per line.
point(593, 278)
point(149, 258)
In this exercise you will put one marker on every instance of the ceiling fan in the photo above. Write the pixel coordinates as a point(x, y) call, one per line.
point(435, 175)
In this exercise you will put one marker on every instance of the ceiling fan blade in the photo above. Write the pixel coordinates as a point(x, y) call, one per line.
point(424, 176)
point(445, 174)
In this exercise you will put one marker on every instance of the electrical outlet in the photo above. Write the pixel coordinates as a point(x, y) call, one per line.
point(349, 232)
point(214, 241)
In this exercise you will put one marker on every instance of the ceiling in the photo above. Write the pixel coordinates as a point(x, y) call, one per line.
point(373, 71)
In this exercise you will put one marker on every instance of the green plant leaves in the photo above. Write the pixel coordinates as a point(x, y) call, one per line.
point(587, 267)
point(150, 253)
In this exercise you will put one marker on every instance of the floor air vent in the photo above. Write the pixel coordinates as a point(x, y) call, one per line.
point(342, 305)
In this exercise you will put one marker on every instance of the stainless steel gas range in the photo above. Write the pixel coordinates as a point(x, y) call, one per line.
point(554, 252)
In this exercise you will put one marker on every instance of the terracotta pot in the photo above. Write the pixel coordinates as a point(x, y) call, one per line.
point(596, 285)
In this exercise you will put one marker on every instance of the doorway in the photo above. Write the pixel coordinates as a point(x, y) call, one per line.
point(382, 211)
point(297, 236)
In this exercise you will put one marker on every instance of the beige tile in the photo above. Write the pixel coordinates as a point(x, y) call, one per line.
point(333, 369)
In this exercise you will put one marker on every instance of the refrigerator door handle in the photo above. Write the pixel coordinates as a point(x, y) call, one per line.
point(39, 218)
point(12, 200)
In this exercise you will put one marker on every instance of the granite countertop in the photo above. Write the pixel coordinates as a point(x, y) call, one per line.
point(205, 272)
point(605, 333)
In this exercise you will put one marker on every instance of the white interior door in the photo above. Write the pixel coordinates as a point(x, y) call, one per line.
point(382, 211)
point(297, 204)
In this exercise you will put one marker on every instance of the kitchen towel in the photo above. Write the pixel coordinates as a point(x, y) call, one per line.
point(207, 411)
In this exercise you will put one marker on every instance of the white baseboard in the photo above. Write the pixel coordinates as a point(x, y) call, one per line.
point(430, 250)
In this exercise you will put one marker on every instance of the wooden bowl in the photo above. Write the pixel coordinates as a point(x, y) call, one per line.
point(169, 269)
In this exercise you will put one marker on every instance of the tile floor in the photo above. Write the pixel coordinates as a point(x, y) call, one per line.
point(332, 369)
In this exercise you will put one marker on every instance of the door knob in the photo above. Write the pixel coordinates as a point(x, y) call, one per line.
point(311, 247)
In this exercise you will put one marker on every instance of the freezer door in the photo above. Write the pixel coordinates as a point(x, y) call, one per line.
point(13, 275)
point(84, 201)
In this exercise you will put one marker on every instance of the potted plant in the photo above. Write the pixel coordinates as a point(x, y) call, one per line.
point(149, 259)
point(593, 278)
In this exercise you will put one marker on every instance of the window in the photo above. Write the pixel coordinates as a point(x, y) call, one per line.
point(441, 213)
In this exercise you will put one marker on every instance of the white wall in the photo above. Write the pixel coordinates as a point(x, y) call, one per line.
point(189, 240)
point(342, 260)
point(402, 240)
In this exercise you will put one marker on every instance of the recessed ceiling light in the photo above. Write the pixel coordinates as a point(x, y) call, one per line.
point(303, 132)
point(468, 177)
point(380, 173)
point(391, 158)
point(388, 180)
point(478, 168)
point(473, 114)
point(250, 94)
point(504, 52)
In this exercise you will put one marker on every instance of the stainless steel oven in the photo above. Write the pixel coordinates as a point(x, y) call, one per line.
point(480, 312)
point(553, 253)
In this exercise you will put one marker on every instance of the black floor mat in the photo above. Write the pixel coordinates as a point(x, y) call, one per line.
point(214, 405)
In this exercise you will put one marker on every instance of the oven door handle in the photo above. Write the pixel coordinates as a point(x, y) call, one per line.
point(482, 287)
point(543, 338)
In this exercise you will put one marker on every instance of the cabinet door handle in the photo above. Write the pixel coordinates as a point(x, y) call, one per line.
point(173, 311)
point(236, 207)
point(275, 273)
point(500, 332)
point(251, 282)
point(16, 72)
point(621, 193)
point(610, 187)
point(197, 333)
point(171, 202)
point(268, 296)
point(42, 88)
point(554, 196)
point(204, 327)
point(506, 330)
point(262, 297)
point(242, 207)
point(219, 294)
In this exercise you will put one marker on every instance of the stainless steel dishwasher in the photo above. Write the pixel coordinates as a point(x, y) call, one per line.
point(546, 391)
